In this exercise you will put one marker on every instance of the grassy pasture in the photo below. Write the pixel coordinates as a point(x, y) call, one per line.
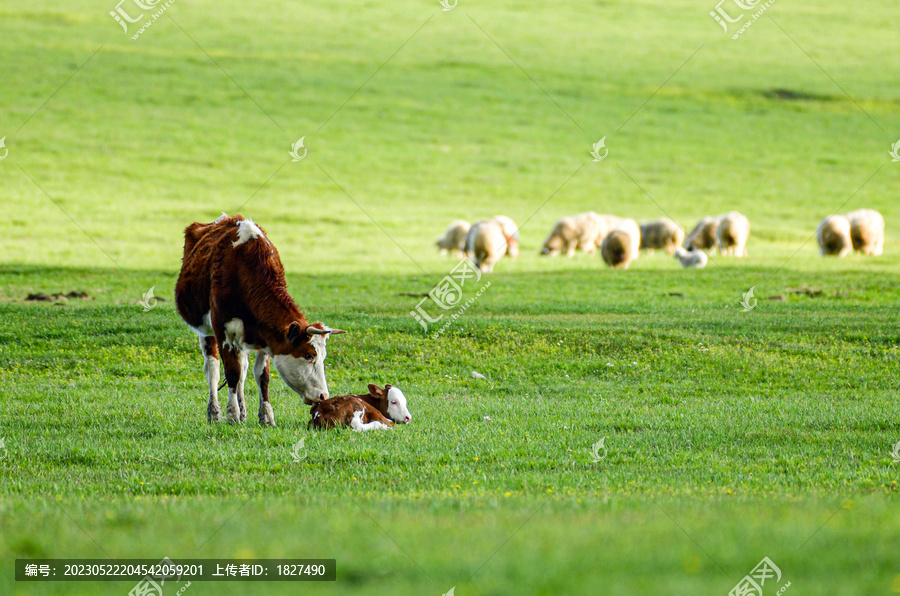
point(728, 435)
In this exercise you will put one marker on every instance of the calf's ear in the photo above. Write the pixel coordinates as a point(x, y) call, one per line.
point(376, 390)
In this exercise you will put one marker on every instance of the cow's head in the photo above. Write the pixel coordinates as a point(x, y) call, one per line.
point(303, 368)
point(392, 402)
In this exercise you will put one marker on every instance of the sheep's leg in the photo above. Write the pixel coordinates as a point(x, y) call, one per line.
point(262, 375)
point(211, 368)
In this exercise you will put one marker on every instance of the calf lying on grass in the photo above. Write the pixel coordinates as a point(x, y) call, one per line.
point(378, 409)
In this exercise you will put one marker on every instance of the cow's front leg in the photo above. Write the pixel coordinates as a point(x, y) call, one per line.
point(211, 368)
point(234, 360)
point(262, 375)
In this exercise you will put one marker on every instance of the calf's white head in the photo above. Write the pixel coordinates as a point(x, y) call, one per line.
point(392, 402)
point(303, 368)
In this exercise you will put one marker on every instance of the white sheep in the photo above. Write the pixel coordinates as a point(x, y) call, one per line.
point(563, 238)
point(622, 245)
point(453, 239)
point(833, 235)
point(691, 258)
point(661, 233)
point(867, 231)
point(732, 233)
point(486, 244)
point(703, 236)
point(584, 232)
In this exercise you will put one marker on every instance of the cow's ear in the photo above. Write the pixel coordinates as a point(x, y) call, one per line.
point(376, 390)
point(295, 334)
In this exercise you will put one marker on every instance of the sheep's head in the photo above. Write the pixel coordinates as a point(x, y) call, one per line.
point(553, 244)
point(391, 402)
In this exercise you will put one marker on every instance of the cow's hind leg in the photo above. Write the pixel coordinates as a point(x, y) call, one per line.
point(262, 375)
point(211, 368)
point(235, 361)
point(245, 364)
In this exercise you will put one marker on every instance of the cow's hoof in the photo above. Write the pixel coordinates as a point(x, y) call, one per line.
point(213, 413)
point(233, 413)
point(266, 416)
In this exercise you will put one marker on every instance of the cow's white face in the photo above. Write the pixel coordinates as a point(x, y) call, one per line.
point(396, 408)
point(304, 369)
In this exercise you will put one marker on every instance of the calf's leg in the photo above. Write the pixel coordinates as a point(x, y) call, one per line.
point(369, 419)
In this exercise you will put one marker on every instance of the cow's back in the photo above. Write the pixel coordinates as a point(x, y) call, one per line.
point(204, 245)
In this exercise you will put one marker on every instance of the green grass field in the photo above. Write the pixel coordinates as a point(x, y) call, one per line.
point(728, 436)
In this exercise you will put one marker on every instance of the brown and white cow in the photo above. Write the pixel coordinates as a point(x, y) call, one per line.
point(378, 409)
point(232, 293)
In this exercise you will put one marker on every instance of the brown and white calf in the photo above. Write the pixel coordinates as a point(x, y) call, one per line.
point(378, 409)
point(232, 293)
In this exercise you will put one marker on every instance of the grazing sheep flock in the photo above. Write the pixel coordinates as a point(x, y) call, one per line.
point(584, 232)
point(621, 239)
point(861, 231)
